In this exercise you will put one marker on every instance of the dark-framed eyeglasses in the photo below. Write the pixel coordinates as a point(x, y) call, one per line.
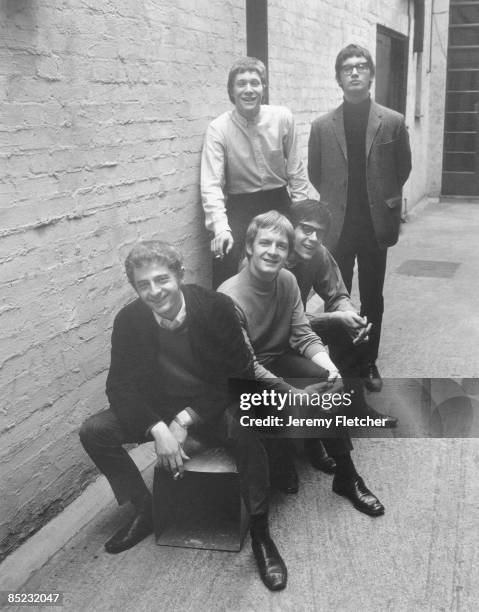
point(360, 68)
point(309, 230)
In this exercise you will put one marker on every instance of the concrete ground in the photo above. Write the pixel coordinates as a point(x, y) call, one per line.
point(423, 554)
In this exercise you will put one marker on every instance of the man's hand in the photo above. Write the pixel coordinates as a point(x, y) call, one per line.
point(222, 244)
point(168, 449)
point(356, 326)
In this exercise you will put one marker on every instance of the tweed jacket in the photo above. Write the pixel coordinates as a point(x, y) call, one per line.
point(136, 387)
point(388, 164)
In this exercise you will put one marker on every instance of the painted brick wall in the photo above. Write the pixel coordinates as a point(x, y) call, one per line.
point(103, 107)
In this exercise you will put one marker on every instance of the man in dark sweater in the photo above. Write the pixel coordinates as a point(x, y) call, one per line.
point(359, 159)
point(340, 326)
point(172, 352)
point(270, 310)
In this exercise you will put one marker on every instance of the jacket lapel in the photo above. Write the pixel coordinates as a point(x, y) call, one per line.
point(338, 126)
point(374, 123)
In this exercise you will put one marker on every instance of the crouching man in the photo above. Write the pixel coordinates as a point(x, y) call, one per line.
point(268, 302)
point(173, 351)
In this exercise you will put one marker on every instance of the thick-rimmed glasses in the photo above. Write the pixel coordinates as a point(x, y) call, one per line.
point(360, 68)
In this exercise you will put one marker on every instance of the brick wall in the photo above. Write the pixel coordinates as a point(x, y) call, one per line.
point(103, 106)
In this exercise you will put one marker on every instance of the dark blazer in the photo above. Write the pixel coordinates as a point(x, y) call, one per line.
point(135, 385)
point(388, 164)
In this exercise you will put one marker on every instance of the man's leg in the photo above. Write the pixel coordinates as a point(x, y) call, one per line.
point(347, 481)
point(350, 359)
point(371, 273)
point(252, 465)
point(102, 437)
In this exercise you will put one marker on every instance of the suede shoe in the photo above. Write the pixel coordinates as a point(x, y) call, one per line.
point(318, 456)
point(372, 379)
point(360, 496)
point(137, 529)
point(271, 566)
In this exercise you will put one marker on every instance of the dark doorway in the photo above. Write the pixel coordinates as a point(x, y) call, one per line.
point(391, 68)
point(460, 170)
point(257, 33)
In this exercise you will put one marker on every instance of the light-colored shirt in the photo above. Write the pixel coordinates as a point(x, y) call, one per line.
point(172, 324)
point(272, 317)
point(246, 156)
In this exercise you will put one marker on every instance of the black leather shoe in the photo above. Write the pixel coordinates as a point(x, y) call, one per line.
point(388, 421)
point(285, 481)
point(140, 526)
point(372, 379)
point(271, 566)
point(360, 496)
point(318, 457)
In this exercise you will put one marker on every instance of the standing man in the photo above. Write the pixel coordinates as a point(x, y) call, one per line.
point(250, 165)
point(172, 352)
point(340, 326)
point(271, 313)
point(359, 160)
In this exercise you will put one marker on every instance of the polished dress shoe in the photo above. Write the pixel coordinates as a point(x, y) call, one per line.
point(360, 496)
point(138, 528)
point(318, 456)
point(372, 379)
point(285, 480)
point(388, 421)
point(271, 566)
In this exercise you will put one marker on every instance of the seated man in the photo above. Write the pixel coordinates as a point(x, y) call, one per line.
point(340, 326)
point(173, 351)
point(271, 313)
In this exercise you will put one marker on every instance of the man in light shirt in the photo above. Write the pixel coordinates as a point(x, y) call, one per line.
point(172, 352)
point(250, 164)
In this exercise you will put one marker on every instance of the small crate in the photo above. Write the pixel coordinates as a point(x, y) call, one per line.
point(204, 509)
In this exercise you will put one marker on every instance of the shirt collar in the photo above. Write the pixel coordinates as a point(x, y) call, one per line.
point(246, 122)
point(172, 324)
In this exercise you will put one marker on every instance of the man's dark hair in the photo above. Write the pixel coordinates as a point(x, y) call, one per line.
point(310, 210)
point(153, 251)
point(272, 220)
point(245, 64)
point(354, 51)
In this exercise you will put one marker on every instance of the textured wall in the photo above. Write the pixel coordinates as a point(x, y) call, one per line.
point(103, 107)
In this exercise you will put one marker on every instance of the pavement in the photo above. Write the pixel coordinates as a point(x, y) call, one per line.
point(423, 554)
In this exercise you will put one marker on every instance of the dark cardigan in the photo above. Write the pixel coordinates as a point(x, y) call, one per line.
point(135, 386)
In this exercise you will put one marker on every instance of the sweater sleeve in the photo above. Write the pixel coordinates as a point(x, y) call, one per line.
point(126, 376)
point(302, 338)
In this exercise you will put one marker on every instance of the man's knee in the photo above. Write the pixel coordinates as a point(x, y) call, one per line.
point(100, 428)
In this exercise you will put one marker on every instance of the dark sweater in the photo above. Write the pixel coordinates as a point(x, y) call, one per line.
point(137, 387)
point(358, 217)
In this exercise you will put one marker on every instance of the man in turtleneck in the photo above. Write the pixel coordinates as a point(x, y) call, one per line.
point(359, 160)
point(271, 313)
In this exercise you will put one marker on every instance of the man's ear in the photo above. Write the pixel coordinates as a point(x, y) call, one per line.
point(181, 274)
point(248, 250)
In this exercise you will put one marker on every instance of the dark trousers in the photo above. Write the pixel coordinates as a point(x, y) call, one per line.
point(103, 438)
point(240, 210)
point(301, 372)
point(371, 272)
point(349, 359)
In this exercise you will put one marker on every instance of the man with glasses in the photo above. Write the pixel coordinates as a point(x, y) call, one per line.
point(340, 326)
point(359, 160)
